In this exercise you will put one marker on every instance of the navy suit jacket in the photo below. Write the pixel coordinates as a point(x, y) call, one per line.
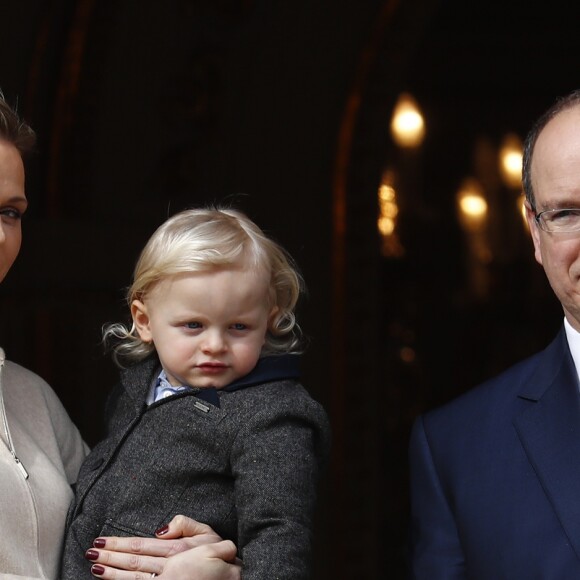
point(495, 477)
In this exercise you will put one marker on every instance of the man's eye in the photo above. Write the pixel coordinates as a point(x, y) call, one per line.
point(566, 214)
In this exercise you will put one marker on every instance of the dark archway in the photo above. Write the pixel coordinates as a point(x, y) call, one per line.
point(284, 108)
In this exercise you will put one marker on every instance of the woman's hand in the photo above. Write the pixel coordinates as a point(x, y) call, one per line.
point(188, 549)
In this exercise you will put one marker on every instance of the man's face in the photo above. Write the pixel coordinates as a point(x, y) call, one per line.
point(555, 175)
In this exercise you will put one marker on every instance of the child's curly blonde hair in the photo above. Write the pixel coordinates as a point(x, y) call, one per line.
point(197, 240)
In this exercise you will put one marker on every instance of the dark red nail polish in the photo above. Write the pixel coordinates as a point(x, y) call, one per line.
point(91, 555)
point(162, 531)
point(99, 543)
point(97, 569)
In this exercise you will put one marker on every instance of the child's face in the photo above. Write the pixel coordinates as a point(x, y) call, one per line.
point(208, 328)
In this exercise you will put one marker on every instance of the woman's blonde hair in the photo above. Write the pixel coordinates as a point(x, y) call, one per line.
point(198, 240)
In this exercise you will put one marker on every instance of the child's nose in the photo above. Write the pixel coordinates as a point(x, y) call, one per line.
point(214, 341)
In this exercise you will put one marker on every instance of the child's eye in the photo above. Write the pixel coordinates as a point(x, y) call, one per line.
point(239, 326)
point(193, 325)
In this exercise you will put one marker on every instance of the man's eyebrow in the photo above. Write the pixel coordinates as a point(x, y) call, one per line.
point(566, 203)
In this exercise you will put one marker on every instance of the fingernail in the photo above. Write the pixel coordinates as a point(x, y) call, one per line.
point(99, 543)
point(162, 531)
point(97, 569)
point(91, 555)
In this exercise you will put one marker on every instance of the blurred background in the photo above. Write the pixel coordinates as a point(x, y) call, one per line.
point(378, 141)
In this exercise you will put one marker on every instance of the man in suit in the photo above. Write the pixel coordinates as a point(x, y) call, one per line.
point(495, 474)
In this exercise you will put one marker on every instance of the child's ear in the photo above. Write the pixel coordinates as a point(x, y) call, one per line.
point(272, 318)
point(141, 320)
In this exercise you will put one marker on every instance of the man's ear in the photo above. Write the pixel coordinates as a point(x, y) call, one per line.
point(141, 320)
point(534, 231)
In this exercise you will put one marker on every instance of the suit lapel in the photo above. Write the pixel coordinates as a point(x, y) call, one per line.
point(550, 433)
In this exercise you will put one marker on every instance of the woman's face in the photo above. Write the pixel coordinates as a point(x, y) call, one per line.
point(12, 205)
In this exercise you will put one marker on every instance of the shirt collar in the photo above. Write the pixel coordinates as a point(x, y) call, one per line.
point(269, 368)
point(162, 388)
point(573, 337)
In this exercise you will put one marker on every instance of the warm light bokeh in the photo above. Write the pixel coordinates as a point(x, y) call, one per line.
point(510, 161)
point(388, 209)
point(472, 205)
point(407, 123)
point(387, 220)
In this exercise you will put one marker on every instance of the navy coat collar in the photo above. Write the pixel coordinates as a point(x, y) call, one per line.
point(269, 368)
point(549, 430)
point(554, 357)
point(136, 379)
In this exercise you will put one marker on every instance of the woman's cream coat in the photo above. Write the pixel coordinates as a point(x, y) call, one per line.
point(40, 454)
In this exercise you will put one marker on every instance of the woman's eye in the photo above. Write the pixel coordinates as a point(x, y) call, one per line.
point(239, 326)
point(10, 213)
point(193, 325)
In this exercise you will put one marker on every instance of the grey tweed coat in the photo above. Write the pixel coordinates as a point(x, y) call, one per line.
point(247, 466)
